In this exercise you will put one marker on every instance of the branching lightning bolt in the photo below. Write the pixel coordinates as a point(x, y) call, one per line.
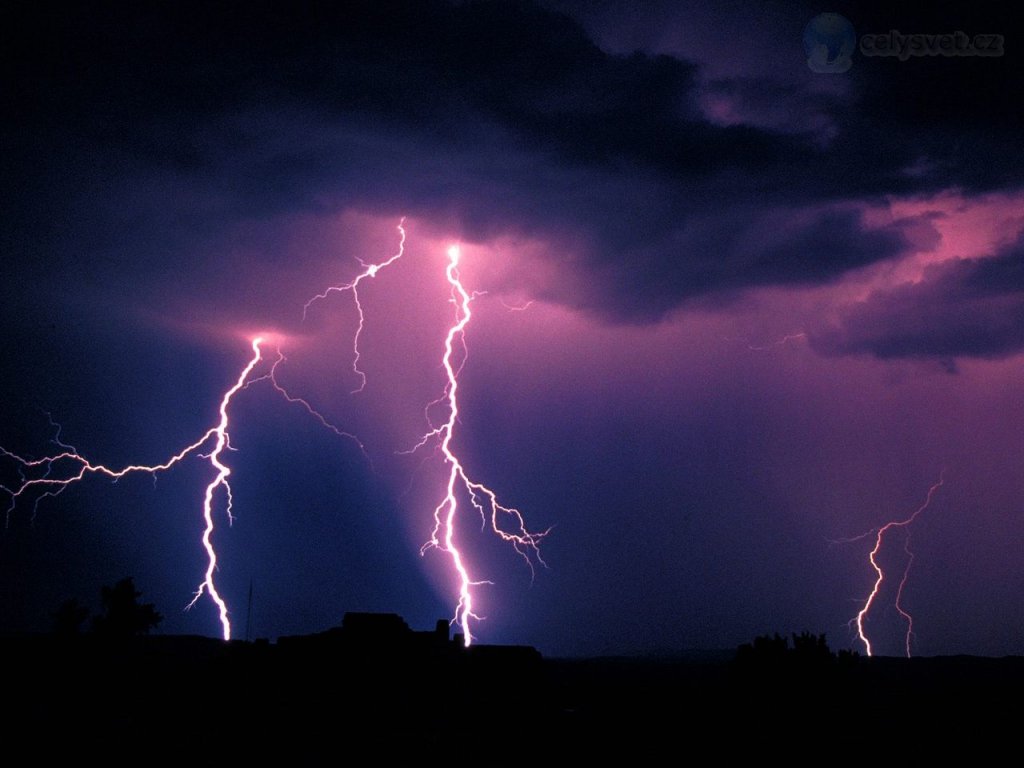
point(369, 271)
point(880, 534)
point(50, 475)
point(221, 481)
point(482, 498)
point(81, 467)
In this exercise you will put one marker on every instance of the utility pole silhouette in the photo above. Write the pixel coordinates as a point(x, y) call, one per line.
point(248, 616)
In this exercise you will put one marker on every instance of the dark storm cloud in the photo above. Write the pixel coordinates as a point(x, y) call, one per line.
point(781, 107)
point(963, 308)
point(720, 252)
point(495, 117)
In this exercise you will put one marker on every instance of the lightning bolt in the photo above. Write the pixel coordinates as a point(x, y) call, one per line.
point(880, 534)
point(221, 481)
point(52, 482)
point(483, 499)
point(52, 474)
point(369, 271)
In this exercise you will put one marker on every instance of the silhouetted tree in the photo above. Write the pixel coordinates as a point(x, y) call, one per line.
point(69, 618)
point(811, 649)
point(765, 650)
point(808, 653)
point(123, 614)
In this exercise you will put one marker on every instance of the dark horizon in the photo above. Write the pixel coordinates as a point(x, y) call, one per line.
point(410, 693)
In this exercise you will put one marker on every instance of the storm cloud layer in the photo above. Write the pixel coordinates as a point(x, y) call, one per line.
point(497, 119)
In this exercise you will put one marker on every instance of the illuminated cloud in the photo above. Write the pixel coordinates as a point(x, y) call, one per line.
point(959, 308)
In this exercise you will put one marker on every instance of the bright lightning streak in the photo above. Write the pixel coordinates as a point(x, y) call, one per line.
point(221, 481)
point(370, 271)
point(446, 513)
point(81, 467)
point(880, 536)
point(506, 522)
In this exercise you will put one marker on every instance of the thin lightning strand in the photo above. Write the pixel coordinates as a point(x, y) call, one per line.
point(880, 535)
point(21, 466)
point(370, 271)
point(778, 342)
point(445, 514)
point(271, 376)
point(54, 485)
point(81, 467)
point(56, 434)
point(518, 307)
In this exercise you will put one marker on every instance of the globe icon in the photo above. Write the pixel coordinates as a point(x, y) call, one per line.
point(829, 41)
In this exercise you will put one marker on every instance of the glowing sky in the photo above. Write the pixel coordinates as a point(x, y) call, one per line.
point(767, 308)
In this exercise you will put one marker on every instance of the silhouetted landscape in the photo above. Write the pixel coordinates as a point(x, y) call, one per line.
point(373, 684)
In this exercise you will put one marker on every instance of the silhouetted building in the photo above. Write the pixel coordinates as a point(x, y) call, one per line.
point(380, 635)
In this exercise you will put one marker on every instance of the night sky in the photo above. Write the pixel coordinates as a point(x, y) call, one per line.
point(732, 313)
